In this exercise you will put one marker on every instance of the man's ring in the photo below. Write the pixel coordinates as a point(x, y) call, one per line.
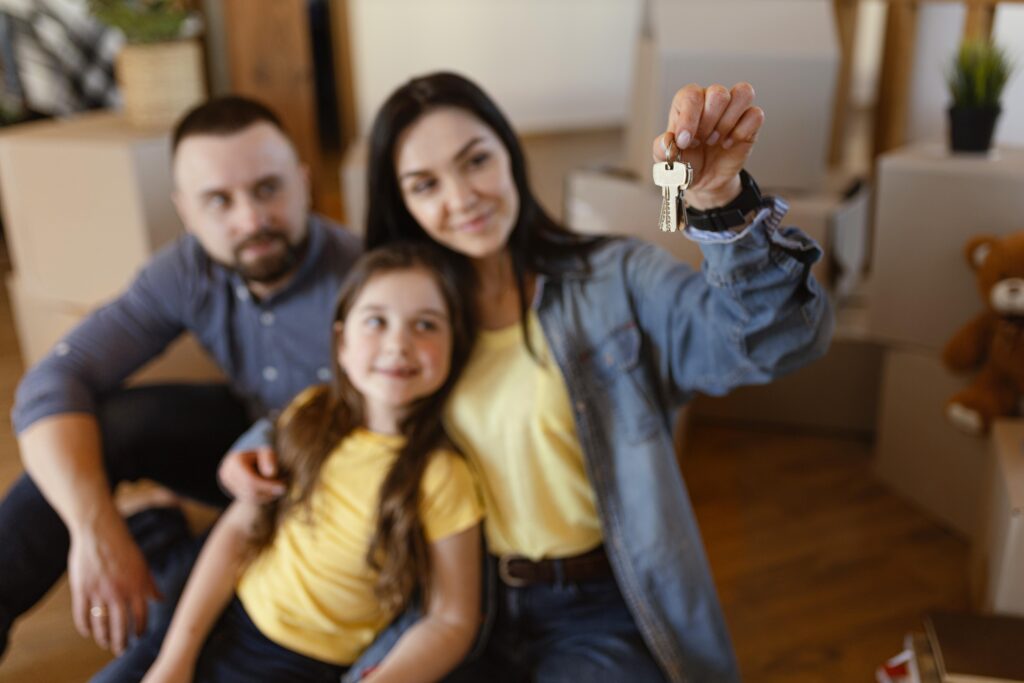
point(98, 611)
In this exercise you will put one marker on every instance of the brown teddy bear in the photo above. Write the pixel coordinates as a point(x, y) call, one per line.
point(993, 342)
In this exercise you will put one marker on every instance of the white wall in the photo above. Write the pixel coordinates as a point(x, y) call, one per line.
point(550, 64)
point(1009, 32)
point(940, 30)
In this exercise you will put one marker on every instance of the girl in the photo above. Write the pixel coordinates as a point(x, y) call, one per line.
point(587, 349)
point(377, 508)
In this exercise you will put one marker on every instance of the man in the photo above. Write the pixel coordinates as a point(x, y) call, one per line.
point(254, 280)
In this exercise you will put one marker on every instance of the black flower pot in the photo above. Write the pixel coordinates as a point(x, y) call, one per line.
point(971, 128)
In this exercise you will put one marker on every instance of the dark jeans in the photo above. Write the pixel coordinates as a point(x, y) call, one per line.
point(235, 652)
point(173, 434)
point(562, 633)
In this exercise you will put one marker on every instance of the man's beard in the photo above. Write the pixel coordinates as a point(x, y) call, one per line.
point(272, 266)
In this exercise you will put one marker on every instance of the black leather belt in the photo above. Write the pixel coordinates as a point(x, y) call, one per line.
point(517, 571)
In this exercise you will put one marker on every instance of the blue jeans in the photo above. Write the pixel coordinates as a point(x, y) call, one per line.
point(235, 652)
point(173, 434)
point(562, 633)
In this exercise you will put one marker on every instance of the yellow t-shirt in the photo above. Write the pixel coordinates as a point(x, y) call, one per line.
point(311, 590)
point(512, 418)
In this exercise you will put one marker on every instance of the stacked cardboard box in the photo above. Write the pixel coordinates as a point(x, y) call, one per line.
point(998, 554)
point(86, 201)
point(929, 204)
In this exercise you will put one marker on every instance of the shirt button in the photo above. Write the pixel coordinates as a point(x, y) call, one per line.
point(580, 406)
point(269, 373)
point(62, 349)
point(266, 318)
point(323, 374)
point(241, 292)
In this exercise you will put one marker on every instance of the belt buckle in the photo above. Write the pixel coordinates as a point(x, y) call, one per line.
point(503, 573)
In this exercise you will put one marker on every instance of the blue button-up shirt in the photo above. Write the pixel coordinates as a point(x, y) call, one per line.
point(269, 349)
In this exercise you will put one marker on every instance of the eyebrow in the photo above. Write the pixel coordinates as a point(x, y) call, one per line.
point(213, 191)
point(458, 155)
point(372, 308)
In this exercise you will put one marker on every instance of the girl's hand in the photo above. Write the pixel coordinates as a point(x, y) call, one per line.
point(169, 670)
point(715, 128)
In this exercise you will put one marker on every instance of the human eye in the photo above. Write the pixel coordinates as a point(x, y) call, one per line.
point(374, 322)
point(478, 159)
point(217, 201)
point(267, 188)
point(426, 325)
point(422, 185)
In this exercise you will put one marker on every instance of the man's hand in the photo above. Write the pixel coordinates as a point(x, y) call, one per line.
point(713, 129)
point(250, 475)
point(110, 583)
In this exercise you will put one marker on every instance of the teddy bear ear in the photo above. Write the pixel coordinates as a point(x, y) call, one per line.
point(978, 249)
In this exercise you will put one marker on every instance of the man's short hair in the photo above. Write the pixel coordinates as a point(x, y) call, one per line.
point(223, 116)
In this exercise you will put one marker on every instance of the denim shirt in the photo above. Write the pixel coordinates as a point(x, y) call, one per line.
point(636, 335)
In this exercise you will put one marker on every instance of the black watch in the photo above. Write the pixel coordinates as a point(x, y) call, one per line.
point(732, 214)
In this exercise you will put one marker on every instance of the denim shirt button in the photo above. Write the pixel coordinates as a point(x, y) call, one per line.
point(581, 406)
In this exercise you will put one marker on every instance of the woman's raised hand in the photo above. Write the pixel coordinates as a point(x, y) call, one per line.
point(713, 129)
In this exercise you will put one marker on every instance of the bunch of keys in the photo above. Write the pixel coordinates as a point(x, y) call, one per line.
point(673, 177)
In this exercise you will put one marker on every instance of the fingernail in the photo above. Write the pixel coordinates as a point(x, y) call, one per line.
point(683, 139)
point(664, 145)
point(713, 138)
point(727, 144)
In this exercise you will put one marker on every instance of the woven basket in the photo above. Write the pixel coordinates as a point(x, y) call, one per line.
point(160, 81)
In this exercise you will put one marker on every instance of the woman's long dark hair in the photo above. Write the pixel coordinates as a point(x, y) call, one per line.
point(308, 432)
point(536, 242)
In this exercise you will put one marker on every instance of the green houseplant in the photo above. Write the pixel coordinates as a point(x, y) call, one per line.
point(160, 68)
point(976, 78)
point(144, 21)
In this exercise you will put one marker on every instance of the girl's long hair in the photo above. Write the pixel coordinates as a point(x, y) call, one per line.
point(537, 241)
point(306, 434)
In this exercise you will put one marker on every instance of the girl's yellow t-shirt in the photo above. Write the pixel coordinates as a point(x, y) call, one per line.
point(311, 590)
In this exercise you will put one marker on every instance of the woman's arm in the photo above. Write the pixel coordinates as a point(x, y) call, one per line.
point(210, 586)
point(439, 641)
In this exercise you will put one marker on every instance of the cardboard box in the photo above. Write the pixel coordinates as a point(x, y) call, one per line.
point(998, 556)
point(40, 322)
point(85, 201)
point(929, 204)
point(919, 453)
point(793, 67)
point(602, 202)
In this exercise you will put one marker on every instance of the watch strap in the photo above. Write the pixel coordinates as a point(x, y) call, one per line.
point(734, 213)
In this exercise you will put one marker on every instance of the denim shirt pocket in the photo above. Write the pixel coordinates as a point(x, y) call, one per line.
point(613, 369)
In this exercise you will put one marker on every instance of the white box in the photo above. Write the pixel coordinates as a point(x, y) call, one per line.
point(918, 452)
point(998, 556)
point(787, 49)
point(40, 323)
point(929, 204)
point(86, 201)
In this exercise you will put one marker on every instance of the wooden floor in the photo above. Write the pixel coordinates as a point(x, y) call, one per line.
point(820, 569)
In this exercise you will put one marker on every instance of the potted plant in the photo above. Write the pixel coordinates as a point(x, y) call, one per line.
point(160, 68)
point(976, 79)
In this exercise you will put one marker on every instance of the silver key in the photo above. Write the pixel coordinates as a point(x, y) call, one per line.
point(673, 179)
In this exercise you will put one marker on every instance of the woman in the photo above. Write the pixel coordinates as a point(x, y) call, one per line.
point(587, 349)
